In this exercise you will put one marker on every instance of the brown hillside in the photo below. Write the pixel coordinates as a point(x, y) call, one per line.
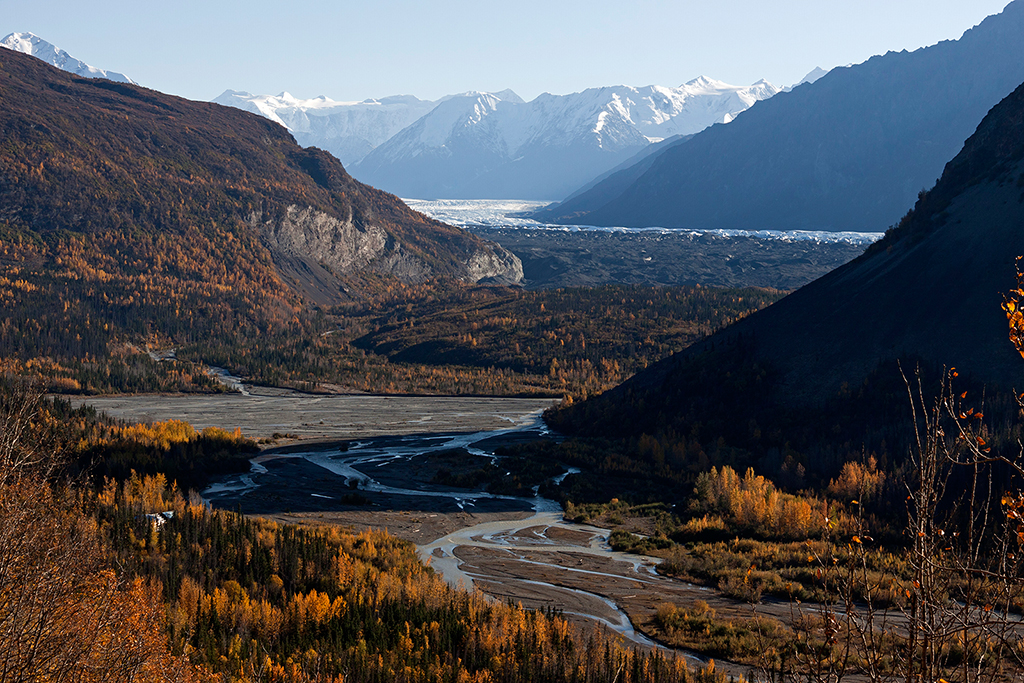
point(102, 164)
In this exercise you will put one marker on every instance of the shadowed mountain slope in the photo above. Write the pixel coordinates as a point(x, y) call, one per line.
point(610, 184)
point(929, 292)
point(848, 152)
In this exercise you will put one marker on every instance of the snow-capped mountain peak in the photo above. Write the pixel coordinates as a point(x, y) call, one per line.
point(348, 130)
point(479, 144)
point(703, 83)
point(495, 144)
point(31, 44)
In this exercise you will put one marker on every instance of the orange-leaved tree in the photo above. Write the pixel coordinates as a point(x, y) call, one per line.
point(65, 614)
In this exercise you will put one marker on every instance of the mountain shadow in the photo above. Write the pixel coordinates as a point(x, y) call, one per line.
point(820, 366)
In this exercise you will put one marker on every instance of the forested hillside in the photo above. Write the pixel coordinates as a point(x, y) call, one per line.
point(130, 215)
point(431, 338)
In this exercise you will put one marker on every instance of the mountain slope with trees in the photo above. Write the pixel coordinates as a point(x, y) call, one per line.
point(127, 214)
point(92, 160)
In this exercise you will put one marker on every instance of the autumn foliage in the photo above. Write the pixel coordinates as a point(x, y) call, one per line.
point(753, 505)
point(65, 612)
point(255, 600)
point(1013, 305)
point(137, 582)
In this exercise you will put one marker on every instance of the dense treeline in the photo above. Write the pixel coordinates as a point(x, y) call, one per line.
point(172, 448)
point(484, 340)
point(436, 338)
point(80, 296)
point(134, 581)
point(588, 339)
point(254, 600)
point(93, 446)
point(127, 370)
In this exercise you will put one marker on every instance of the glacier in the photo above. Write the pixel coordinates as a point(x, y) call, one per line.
point(348, 130)
point(485, 213)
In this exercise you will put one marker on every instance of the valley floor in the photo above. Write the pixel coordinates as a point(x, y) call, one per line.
point(508, 547)
point(564, 258)
point(298, 417)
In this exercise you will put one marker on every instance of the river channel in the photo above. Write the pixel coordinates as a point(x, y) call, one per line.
point(510, 547)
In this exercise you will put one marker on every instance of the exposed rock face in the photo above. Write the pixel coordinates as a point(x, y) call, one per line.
point(400, 264)
point(339, 245)
point(313, 238)
point(494, 264)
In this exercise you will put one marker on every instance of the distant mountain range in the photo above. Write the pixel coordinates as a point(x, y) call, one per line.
point(348, 130)
point(846, 152)
point(31, 44)
point(480, 145)
point(494, 145)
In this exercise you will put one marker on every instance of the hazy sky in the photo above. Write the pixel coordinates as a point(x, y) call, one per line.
point(355, 50)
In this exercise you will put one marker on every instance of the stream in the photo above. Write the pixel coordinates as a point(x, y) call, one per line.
point(530, 555)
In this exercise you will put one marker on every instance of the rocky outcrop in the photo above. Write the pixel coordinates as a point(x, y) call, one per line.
point(339, 245)
point(401, 265)
point(495, 265)
point(310, 238)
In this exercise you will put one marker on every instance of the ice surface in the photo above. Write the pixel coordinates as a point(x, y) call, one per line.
point(502, 213)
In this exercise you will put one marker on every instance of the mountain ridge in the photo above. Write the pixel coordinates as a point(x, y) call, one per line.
point(348, 130)
point(480, 146)
point(486, 145)
point(847, 152)
point(31, 44)
point(929, 293)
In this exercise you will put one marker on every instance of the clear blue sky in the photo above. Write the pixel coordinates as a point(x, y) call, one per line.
point(354, 50)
